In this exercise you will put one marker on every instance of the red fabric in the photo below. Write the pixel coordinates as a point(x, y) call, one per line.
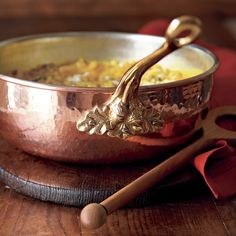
point(218, 165)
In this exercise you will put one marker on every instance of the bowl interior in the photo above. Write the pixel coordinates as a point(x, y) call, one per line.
point(28, 52)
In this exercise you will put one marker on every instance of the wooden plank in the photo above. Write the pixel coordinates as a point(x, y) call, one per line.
point(55, 8)
point(213, 28)
point(227, 214)
point(19, 27)
point(21, 215)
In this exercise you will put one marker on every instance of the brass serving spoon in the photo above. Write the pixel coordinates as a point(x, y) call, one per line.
point(94, 215)
point(124, 115)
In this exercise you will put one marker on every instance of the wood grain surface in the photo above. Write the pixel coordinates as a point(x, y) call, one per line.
point(187, 211)
point(52, 8)
point(199, 215)
point(23, 17)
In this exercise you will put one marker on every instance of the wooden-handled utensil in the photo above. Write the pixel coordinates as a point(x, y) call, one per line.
point(94, 215)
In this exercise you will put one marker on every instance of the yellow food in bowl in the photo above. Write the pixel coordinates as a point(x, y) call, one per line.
point(106, 73)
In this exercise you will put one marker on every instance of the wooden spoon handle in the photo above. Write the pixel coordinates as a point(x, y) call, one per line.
point(94, 215)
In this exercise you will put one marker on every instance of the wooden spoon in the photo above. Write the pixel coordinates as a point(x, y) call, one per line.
point(94, 215)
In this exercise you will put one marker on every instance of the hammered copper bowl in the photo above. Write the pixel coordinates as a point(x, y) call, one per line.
point(41, 119)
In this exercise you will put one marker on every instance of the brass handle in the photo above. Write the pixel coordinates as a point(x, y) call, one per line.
point(124, 115)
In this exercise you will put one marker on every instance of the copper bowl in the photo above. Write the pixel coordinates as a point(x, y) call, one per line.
point(41, 119)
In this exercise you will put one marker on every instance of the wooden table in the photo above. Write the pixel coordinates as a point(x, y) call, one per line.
point(199, 214)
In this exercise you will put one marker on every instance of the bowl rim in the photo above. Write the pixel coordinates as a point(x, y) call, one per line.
point(64, 88)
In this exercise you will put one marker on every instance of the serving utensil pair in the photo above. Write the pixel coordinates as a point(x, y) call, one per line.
point(94, 215)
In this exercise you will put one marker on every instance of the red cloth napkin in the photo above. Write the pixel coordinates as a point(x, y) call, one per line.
point(218, 165)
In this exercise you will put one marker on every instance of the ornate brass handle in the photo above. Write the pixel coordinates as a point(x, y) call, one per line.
point(124, 115)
